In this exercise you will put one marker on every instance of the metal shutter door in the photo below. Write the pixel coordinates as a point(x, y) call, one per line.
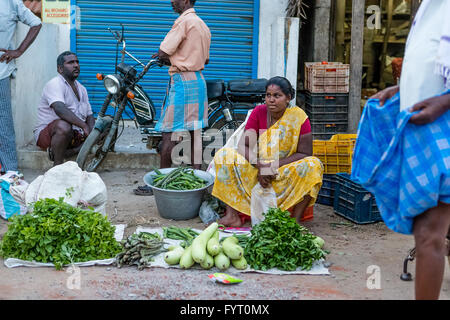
point(233, 54)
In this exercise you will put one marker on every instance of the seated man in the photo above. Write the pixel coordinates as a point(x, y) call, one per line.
point(65, 116)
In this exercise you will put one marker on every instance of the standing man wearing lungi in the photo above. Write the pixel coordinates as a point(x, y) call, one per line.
point(186, 49)
point(11, 12)
point(410, 173)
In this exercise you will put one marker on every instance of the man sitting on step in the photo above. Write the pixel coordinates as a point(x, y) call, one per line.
point(65, 115)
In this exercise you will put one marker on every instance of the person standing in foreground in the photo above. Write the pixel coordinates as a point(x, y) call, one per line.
point(424, 90)
point(11, 12)
point(186, 50)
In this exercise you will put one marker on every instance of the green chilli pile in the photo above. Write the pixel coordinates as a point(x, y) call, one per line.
point(280, 242)
point(56, 232)
point(181, 178)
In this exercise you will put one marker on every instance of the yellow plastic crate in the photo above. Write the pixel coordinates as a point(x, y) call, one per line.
point(336, 154)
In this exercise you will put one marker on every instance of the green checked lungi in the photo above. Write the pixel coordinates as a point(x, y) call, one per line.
point(185, 106)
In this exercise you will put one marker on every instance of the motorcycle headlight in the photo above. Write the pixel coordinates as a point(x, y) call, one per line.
point(112, 84)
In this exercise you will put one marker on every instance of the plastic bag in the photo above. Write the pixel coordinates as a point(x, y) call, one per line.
point(207, 213)
point(78, 188)
point(9, 206)
point(210, 209)
point(232, 142)
point(261, 201)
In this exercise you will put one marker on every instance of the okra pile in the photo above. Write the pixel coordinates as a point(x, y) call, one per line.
point(181, 178)
point(140, 249)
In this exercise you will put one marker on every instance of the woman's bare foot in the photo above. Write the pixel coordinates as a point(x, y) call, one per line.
point(231, 218)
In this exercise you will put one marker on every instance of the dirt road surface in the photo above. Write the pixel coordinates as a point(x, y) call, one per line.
point(356, 253)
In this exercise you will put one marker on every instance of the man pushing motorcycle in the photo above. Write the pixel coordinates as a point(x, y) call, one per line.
point(185, 109)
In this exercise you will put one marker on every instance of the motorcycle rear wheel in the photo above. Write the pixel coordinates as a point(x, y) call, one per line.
point(91, 155)
point(223, 126)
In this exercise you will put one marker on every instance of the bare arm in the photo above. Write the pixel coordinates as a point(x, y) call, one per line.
point(90, 120)
point(247, 144)
point(64, 113)
point(29, 39)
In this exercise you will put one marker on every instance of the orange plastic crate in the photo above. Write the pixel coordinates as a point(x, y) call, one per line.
point(336, 154)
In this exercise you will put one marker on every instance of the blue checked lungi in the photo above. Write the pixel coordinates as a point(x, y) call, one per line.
point(405, 166)
point(8, 155)
point(186, 103)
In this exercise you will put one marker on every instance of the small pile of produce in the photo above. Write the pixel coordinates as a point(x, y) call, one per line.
point(181, 178)
point(177, 233)
point(140, 249)
point(280, 242)
point(56, 232)
point(208, 251)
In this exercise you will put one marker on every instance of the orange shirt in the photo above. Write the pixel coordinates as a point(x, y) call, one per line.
point(187, 43)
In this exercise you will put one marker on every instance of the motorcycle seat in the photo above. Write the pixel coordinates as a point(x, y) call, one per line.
point(247, 87)
point(215, 88)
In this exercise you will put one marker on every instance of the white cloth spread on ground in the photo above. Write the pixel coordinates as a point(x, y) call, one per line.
point(12, 262)
point(317, 269)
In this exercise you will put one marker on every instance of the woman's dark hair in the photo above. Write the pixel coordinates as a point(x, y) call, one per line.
point(284, 85)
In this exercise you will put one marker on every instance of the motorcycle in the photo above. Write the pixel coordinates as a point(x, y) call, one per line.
point(228, 105)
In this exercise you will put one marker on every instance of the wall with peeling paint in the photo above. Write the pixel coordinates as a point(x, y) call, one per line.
point(34, 69)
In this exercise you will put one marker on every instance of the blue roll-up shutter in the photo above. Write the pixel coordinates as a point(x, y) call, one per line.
point(233, 54)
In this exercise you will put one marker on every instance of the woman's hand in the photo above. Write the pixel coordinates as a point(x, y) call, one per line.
point(430, 109)
point(266, 174)
point(386, 94)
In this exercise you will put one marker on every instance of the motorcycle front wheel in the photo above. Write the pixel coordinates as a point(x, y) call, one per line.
point(91, 155)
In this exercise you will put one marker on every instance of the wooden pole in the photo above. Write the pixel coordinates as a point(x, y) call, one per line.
point(387, 35)
point(340, 31)
point(356, 62)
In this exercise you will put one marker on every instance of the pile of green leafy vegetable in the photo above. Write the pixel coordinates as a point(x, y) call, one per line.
point(56, 232)
point(280, 242)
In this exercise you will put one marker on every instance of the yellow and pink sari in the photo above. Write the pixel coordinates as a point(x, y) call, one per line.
point(236, 177)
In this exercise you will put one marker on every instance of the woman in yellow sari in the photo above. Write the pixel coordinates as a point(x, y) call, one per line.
point(275, 150)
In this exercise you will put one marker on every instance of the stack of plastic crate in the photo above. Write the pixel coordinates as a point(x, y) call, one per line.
point(327, 97)
point(348, 198)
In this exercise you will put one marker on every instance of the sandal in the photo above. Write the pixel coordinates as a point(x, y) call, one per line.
point(143, 191)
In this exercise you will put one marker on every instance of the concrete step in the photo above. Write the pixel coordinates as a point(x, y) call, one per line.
point(130, 153)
